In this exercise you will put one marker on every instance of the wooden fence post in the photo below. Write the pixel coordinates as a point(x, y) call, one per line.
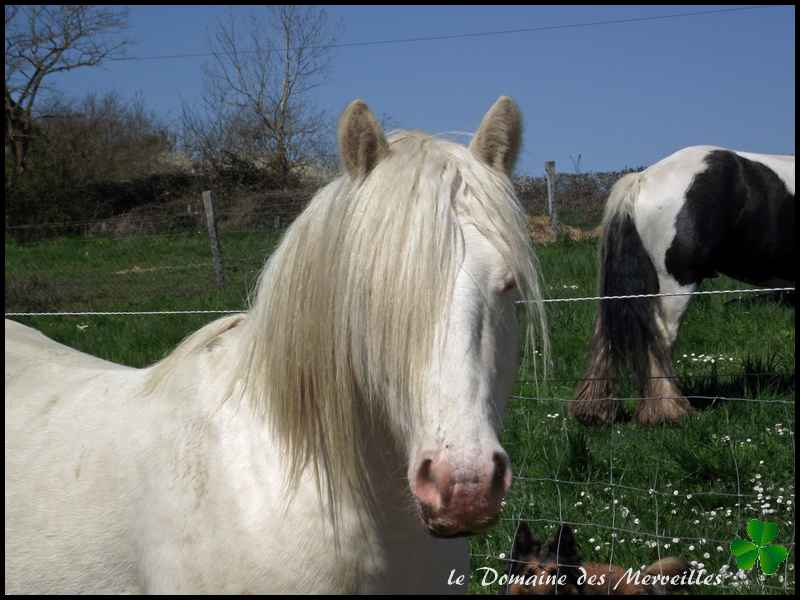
point(550, 170)
point(208, 204)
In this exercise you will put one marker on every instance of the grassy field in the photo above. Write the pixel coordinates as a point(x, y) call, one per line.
point(634, 493)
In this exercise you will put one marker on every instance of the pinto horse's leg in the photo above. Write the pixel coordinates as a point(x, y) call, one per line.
point(594, 403)
point(664, 401)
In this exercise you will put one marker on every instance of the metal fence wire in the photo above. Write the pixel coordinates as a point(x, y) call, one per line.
point(729, 578)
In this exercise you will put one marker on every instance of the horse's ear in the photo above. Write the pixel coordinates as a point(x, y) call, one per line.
point(362, 143)
point(525, 544)
point(499, 137)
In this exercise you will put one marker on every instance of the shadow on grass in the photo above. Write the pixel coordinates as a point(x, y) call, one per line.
point(757, 377)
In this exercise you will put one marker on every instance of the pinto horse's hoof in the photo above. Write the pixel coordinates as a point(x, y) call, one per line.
point(669, 409)
point(591, 408)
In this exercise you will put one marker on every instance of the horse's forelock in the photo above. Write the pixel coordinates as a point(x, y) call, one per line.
point(342, 326)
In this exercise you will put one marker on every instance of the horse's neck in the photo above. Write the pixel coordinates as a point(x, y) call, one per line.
point(386, 464)
point(375, 536)
point(209, 370)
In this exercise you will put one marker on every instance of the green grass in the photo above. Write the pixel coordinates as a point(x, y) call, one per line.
point(130, 274)
point(599, 478)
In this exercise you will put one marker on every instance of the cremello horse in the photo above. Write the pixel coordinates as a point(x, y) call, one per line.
point(332, 438)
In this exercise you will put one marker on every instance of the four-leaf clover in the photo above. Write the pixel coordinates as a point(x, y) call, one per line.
point(769, 555)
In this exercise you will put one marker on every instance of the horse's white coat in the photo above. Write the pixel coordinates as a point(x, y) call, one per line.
point(159, 480)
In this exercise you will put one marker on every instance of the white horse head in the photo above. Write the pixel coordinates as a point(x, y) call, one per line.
point(380, 347)
point(390, 303)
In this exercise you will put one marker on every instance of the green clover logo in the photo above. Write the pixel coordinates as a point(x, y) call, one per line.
point(769, 555)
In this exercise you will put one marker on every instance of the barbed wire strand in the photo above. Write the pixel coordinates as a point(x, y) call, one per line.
point(659, 295)
point(190, 311)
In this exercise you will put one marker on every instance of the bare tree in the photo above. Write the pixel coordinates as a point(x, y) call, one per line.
point(101, 138)
point(257, 90)
point(42, 40)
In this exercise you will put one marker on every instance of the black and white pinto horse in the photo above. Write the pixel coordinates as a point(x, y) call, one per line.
point(700, 212)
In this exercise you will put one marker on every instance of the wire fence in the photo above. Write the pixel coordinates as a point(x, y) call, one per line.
point(160, 217)
point(545, 300)
point(657, 537)
point(579, 195)
point(728, 577)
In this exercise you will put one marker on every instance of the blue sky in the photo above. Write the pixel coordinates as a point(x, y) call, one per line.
point(620, 95)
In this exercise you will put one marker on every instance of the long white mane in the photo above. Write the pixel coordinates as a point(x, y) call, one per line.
point(341, 326)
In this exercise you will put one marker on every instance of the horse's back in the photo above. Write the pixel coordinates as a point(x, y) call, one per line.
point(28, 348)
point(705, 210)
point(68, 435)
point(39, 369)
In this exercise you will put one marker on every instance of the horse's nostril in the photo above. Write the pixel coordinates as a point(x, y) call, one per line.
point(424, 472)
point(431, 483)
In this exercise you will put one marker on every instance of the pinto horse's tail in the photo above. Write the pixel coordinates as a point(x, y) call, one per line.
point(627, 327)
point(626, 334)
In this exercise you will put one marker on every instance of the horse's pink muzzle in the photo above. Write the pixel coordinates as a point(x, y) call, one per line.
point(455, 500)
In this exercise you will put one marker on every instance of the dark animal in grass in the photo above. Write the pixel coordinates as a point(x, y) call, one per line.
point(557, 568)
